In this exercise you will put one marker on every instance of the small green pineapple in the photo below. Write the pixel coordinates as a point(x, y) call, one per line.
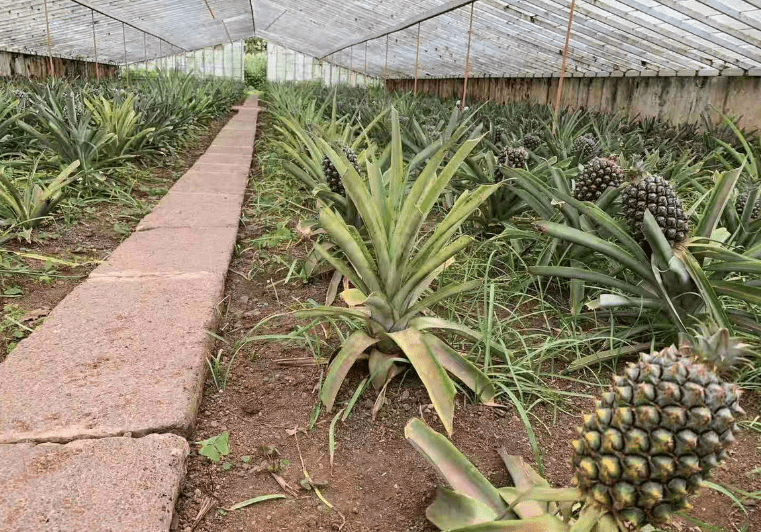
point(742, 200)
point(331, 173)
point(661, 430)
point(598, 175)
point(654, 193)
point(585, 147)
point(531, 142)
point(510, 158)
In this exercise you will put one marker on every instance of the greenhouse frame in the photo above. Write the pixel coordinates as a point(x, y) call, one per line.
point(380, 265)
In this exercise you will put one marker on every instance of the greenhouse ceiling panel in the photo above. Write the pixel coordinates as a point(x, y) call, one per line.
point(394, 38)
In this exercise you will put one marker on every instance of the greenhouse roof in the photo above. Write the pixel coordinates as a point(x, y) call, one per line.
point(380, 37)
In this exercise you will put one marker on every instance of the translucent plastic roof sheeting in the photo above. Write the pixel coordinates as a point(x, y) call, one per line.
point(510, 38)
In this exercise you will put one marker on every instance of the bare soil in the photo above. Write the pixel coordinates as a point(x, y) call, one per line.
point(378, 482)
point(96, 230)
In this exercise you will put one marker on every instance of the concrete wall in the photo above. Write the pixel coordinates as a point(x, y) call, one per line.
point(678, 99)
point(36, 66)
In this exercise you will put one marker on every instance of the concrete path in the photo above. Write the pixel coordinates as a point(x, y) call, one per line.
point(122, 358)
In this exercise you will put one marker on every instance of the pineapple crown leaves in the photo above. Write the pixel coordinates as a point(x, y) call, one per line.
point(714, 345)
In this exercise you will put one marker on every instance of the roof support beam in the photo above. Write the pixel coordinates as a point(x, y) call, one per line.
point(83, 4)
point(427, 15)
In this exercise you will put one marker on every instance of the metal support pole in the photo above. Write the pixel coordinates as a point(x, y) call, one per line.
point(214, 61)
point(351, 62)
point(562, 67)
point(50, 41)
point(124, 43)
point(417, 59)
point(223, 61)
point(145, 51)
point(364, 72)
point(95, 45)
point(385, 69)
point(467, 60)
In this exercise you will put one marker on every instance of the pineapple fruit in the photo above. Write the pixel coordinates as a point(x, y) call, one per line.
point(585, 146)
point(660, 431)
point(742, 200)
point(331, 174)
point(510, 158)
point(531, 142)
point(655, 194)
point(598, 175)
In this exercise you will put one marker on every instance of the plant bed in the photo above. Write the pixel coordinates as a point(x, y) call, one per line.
point(263, 394)
point(41, 272)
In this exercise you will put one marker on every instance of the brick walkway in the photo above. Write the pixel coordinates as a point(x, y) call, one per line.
point(119, 364)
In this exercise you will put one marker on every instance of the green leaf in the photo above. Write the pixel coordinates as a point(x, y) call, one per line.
point(710, 298)
point(451, 510)
point(545, 523)
point(720, 195)
point(463, 369)
point(595, 243)
point(440, 388)
point(255, 500)
point(450, 463)
point(215, 447)
point(353, 347)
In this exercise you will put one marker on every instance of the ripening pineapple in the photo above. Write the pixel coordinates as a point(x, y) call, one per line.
point(598, 175)
point(531, 142)
point(510, 158)
point(661, 430)
point(331, 174)
point(742, 199)
point(585, 146)
point(658, 196)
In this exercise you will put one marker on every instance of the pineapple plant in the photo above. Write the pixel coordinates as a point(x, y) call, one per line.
point(651, 442)
point(510, 158)
point(585, 146)
point(391, 270)
point(598, 175)
point(655, 194)
point(742, 200)
point(332, 176)
point(531, 142)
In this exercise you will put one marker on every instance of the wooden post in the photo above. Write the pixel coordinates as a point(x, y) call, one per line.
point(417, 59)
point(467, 60)
point(95, 45)
point(50, 41)
point(562, 67)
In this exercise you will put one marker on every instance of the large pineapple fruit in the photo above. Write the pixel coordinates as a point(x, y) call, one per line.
point(331, 174)
point(531, 142)
point(660, 431)
point(742, 200)
point(585, 146)
point(510, 158)
point(598, 175)
point(655, 194)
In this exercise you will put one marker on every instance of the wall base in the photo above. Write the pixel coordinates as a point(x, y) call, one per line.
point(676, 99)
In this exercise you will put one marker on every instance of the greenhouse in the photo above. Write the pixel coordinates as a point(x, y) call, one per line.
point(465, 265)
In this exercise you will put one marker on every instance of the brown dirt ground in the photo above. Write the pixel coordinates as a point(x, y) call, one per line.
point(87, 241)
point(378, 482)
